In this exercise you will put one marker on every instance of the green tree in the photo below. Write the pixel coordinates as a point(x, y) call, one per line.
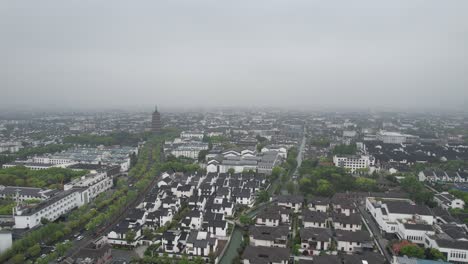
point(435, 254)
point(263, 196)
point(34, 250)
point(290, 187)
point(62, 248)
point(324, 188)
point(245, 220)
point(412, 251)
point(231, 171)
point(345, 149)
point(130, 236)
point(18, 259)
point(276, 172)
point(202, 155)
point(365, 184)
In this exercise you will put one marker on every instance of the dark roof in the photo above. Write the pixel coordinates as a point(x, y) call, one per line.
point(265, 255)
point(454, 231)
point(357, 236)
point(315, 217)
point(200, 242)
point(401, 207)
point(290, 199)
point(455, 244)
point(353, 219)
point(315, 234)
point(369, 257)
point(268, 233)
point(326, 259)
point(421, 227)
point(319, 200)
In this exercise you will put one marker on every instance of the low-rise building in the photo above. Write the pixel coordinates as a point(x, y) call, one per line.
point(448, 201)
point(314, 240)
point(354, 162)
point(254, 255)
point(269, 236)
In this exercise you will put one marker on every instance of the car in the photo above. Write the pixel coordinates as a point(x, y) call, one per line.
point(43, 255)
point(79, 238)
point(76, 235)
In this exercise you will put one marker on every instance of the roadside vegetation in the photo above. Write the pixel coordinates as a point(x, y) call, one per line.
point(52, 178)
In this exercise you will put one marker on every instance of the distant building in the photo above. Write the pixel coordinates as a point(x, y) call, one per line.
point(76, 194)
point(11, 147)
point(395, 137)
point(353, 162)
point(156, 124)
point(448, 201)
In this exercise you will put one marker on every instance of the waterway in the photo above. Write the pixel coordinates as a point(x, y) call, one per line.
point(231, 252)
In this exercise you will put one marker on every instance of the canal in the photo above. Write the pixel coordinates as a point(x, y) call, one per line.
point(235, 243)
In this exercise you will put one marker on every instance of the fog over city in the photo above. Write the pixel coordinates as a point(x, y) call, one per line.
point(292, 54)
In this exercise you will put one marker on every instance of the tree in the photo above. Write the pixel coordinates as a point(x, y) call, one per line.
point(412, 251)
point(365, 184)
point(345, 149)
point(276, 172)
point(202, 155)
point(306, 185)
point(263, 196)
point(231, 171)
point(435, 254)
point(245, 220)
point(44, 221)
point(130, 236)
point(62, 248)
point(324, 188)
point(18, 259)
point(290, 187)
point(34, 250)
point(148, 233)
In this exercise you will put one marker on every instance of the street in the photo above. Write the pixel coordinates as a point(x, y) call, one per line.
point(375, 230)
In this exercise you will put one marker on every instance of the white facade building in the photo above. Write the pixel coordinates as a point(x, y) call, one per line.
point(387, 213)
point(354, 162)
point(75, 195)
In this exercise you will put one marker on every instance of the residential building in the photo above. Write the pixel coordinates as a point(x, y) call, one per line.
point(354, 162)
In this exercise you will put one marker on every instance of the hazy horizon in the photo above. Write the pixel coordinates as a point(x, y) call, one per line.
point(400, 55)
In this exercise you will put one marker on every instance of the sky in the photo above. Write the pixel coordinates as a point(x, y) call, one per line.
point(307, 54)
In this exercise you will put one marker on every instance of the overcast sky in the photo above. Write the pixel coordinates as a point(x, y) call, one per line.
point(393, 54)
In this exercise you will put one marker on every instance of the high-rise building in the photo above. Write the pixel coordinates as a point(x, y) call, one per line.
point(156, 124)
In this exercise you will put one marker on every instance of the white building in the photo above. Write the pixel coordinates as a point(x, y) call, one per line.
point(95, 183)
point(353, 162)
point(414, 232)
point(201, 243)
point(448, 201)
point(11, 147)
point(387, 212)
point(394, 137)
point(192, 135)
point(75, 195)
point(25, 193)
point(35, 166)
point(188, 149)
point(50, 209)
point(456, 251)
point(283, 152)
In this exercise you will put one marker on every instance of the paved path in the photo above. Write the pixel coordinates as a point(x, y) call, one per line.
point(300, 155)
point(375, 230)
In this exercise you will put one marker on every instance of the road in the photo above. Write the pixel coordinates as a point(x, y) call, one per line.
point(89, 236)
point(300, 155)
point(375, 230)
